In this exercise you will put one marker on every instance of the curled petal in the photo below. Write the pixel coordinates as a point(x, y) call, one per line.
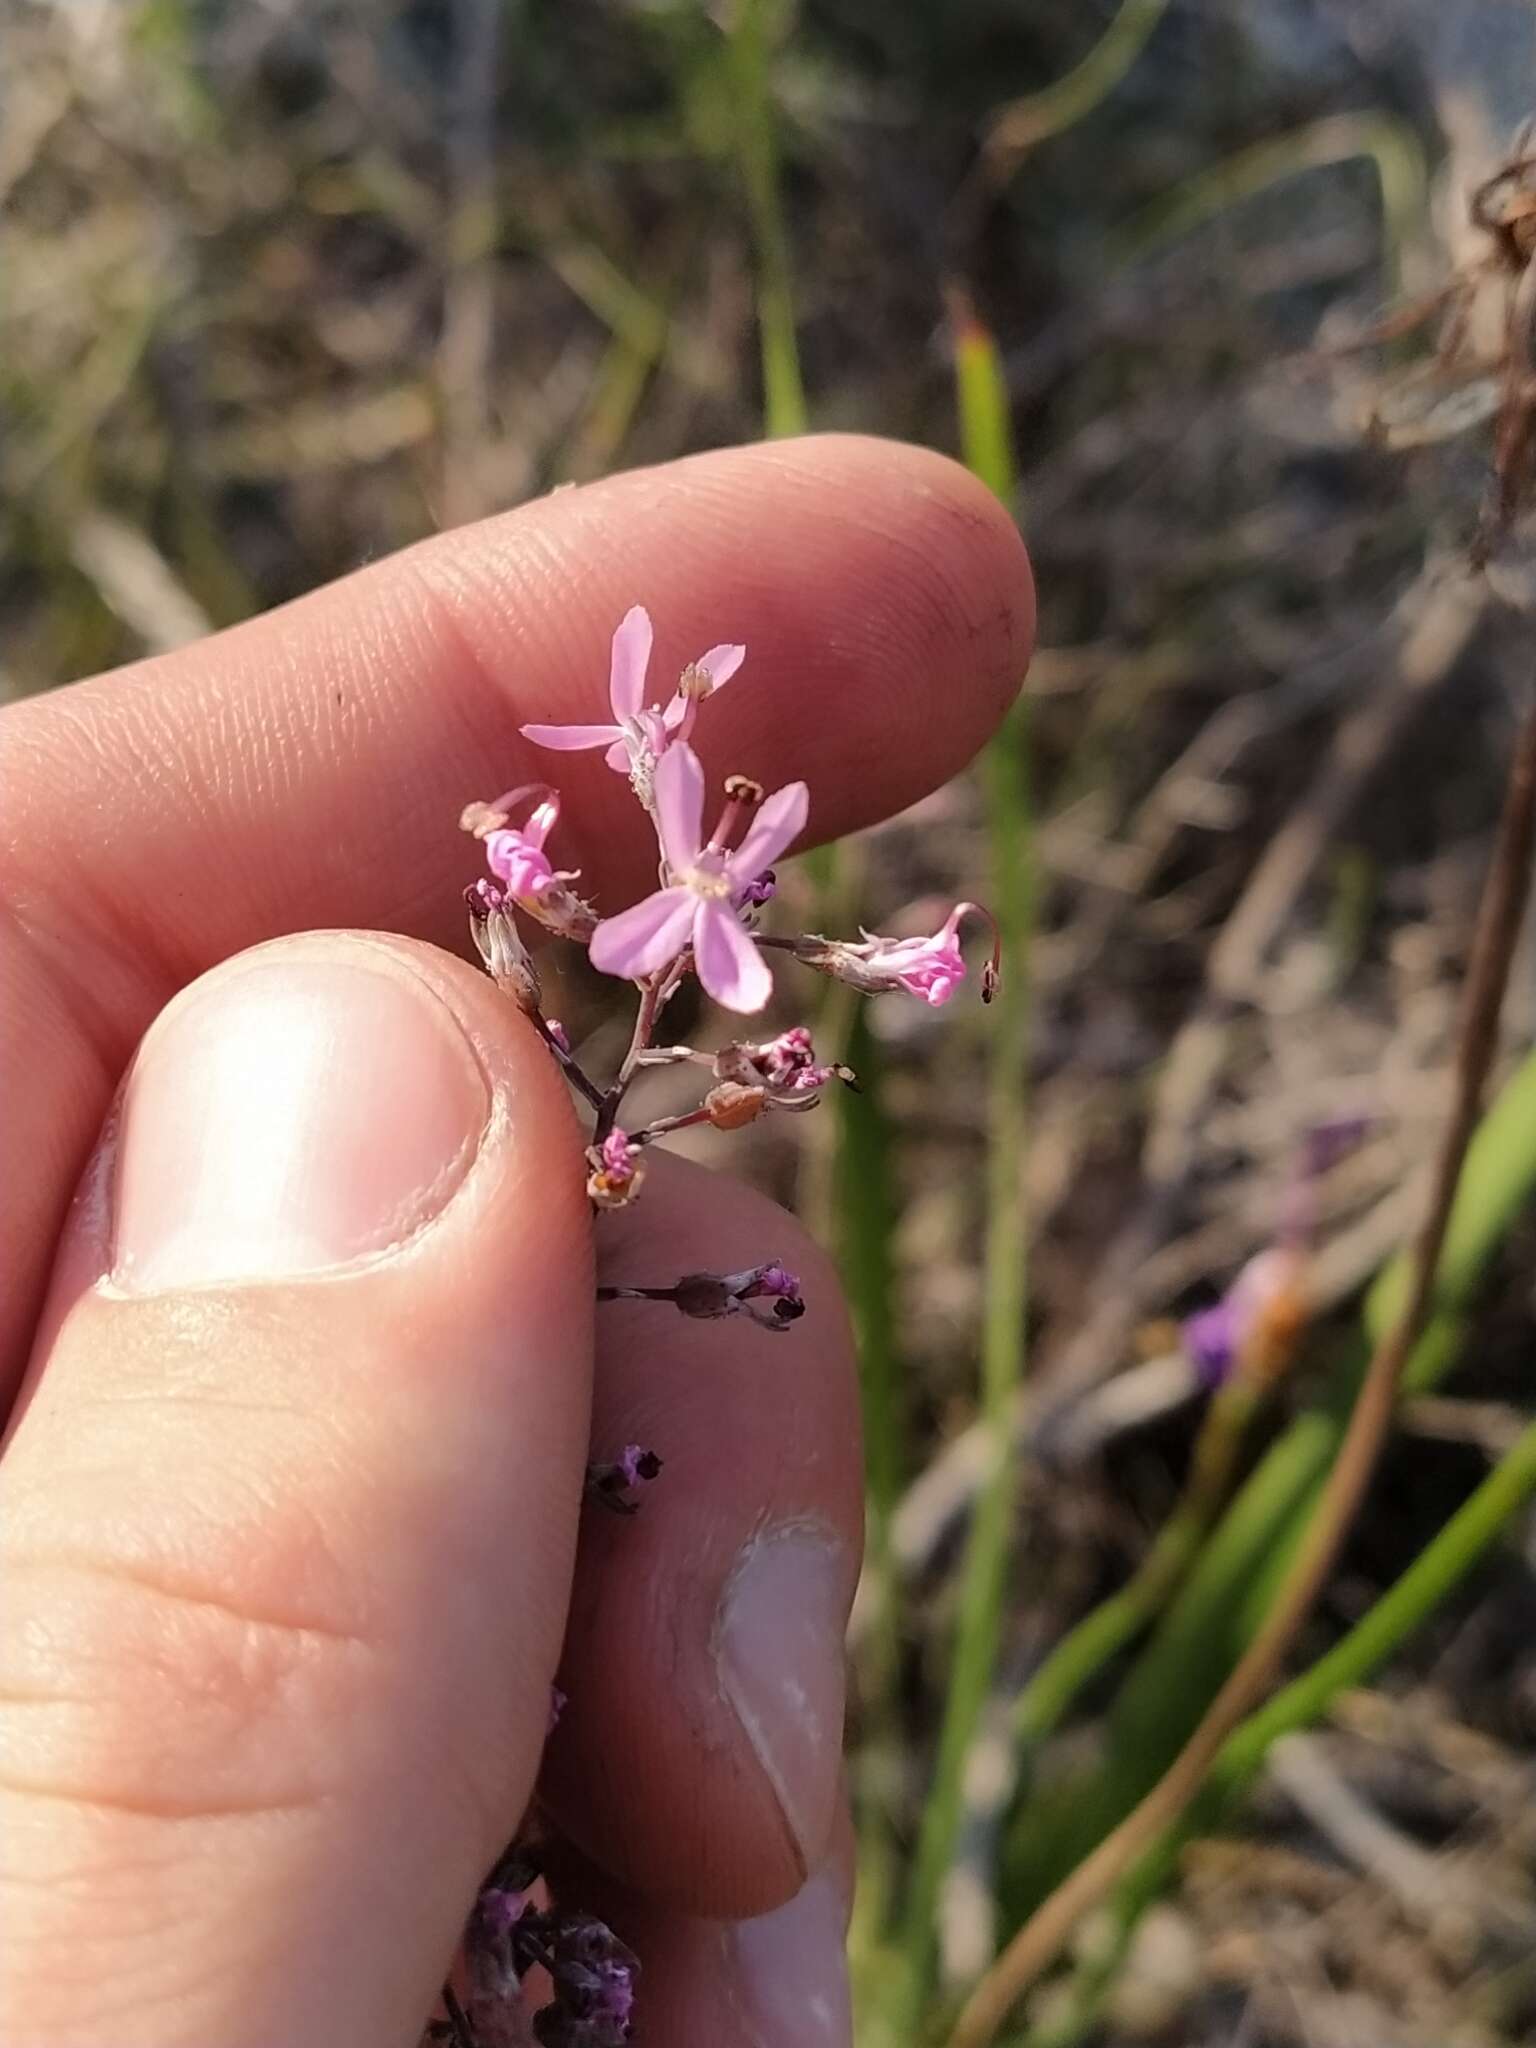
point(680, 806)
point(728, 963)
point(646, 937)
point(631, 658)
point(617, 756)
point(779, 821)
point(568, 739)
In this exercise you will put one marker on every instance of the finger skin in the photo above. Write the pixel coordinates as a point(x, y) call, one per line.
point(286, 1571)
point(308, 768)
point(653, 1771)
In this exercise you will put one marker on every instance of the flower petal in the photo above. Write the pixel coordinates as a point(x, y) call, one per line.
point(728, 964)
point(778, 821)
point(679, 785)
point(631, 658)
point(568, 738)
point(617, 756)
point(721, 663)
point(647, 936)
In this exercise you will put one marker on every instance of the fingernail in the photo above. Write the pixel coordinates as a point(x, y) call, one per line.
point(289, 1115)
point(780, 1651)
point(792, 1970)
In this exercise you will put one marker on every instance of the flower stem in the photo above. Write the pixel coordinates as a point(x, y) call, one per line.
point(458, 2019)
point(654, 994)
point(575, 1073)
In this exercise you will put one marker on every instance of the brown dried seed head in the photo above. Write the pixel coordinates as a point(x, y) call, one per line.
point(731, 1105)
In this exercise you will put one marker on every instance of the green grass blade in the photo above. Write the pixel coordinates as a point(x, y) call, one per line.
point(751, 43)
point(987, 444)
point(1221, 1602)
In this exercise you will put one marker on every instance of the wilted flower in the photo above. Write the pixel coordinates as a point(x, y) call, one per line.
point(696, 906)
point(515, 855)
point(592, 1974)
point(594, 1980)
point(495, 933)
point(932, 968)
point(785, 1068)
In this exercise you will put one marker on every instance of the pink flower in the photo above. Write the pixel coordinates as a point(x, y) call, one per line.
point(515, 853)
point(617, 1170)
point(697, 907)
point(638, 735)
point(1255, 1325)
point(932, 968)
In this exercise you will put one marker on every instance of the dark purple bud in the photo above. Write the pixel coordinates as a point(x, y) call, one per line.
point(611, 1483)
point(594, 1975)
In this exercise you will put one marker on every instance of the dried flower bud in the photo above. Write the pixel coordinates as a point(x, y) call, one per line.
point(786, 1067)
point(617, 1171)
point(708, 1296)
point(507, 960)
point(731, 1106)
point(593, 1975)
point(704, 1296)
point(612, 1484)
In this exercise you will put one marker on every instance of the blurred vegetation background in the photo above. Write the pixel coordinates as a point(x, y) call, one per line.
point(285, 284)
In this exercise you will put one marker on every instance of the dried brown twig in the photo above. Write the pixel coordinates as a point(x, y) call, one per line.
point(1042, 1937)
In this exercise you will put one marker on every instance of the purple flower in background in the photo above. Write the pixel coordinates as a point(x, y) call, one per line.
point(1255, 1323)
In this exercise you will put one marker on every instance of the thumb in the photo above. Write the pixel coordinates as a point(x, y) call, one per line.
point(289, 1512)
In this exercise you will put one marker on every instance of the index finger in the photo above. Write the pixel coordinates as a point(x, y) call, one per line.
point(308, 768)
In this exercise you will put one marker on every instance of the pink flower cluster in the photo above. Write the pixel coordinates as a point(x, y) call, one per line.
point(713, 887)
point(702, 916)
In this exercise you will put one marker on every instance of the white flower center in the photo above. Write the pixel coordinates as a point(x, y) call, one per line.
point(708, 882)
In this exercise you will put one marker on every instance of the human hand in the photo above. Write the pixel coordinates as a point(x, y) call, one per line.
point(299, 1325)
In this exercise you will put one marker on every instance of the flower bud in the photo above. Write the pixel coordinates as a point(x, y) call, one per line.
point(507, 959)
point(617, 1171)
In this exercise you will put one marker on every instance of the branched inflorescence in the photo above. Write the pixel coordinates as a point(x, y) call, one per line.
point(703, 918)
